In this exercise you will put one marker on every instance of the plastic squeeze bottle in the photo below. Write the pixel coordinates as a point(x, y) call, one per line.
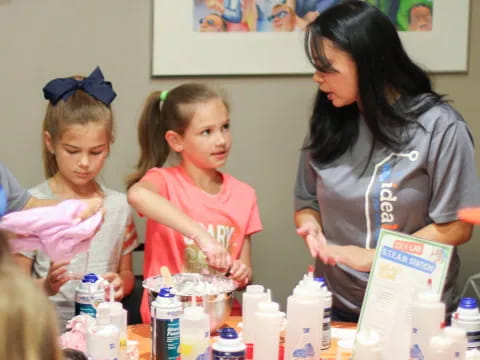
point(194, 334)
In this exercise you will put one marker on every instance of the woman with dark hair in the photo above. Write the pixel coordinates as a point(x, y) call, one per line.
point(383, 151)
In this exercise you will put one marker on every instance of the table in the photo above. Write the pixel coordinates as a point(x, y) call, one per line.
point(141, 333)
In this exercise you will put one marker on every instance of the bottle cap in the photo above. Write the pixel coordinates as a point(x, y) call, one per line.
point(166, 293)
point(228, 333)
point(90, 278)
point(468, 303)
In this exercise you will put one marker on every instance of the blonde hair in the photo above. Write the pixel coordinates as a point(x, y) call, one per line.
point(27, 319)
point(79, 109)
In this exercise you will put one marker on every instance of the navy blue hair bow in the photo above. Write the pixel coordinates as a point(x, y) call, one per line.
point(94, 85)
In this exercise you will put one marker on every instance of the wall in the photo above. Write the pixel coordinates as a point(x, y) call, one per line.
point(44, 39)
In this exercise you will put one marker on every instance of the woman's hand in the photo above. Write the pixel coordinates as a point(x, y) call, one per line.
point(357, 258)
point(117, 282)
point(56, 277)
point(316, 243)
point(240, 273)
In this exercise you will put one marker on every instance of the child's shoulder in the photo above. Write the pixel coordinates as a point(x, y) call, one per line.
point(41, 191)
point(237, 185)
point(114, 196)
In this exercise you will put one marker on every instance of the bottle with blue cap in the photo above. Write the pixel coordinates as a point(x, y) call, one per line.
point(467, 317)
point(228, 346)
point(89, 294)
point(166, 311)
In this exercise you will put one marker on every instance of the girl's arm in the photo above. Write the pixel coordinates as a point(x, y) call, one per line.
point(241, 270)
point(308, 222)
point(56, 277)
point(144, 198)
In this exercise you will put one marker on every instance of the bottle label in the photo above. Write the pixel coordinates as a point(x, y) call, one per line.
point(88, 303)
point(166, 340)
point(227, 355)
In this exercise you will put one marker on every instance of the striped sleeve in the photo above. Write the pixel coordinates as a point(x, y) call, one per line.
point(131, 240)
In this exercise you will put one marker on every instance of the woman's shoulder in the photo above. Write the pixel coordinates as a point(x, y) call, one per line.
point(441, 116)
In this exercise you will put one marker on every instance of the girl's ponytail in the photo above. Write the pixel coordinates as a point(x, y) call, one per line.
point(154, 148)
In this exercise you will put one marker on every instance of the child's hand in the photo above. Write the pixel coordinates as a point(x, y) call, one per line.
point(217, 256)
point(317, 243)
point(240, 273)
point(56, 277)
point(92, 206)
point(117, 282)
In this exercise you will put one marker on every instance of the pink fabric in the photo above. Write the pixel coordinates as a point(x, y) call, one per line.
point(76, 338)
point(53, 230)
point(229, 216)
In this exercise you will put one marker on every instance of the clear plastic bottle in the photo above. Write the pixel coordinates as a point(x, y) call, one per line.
point(459, 341)
point(228, 346)
point(467, 317)
point(250, 299)
point(166, 311)
point(194, 334)
point(268, 321)
point(302, 335)
point(428, 314)
point(440, 348)
point(472, 355)
point(103, 339)
point(367, 345)
point(118, 317)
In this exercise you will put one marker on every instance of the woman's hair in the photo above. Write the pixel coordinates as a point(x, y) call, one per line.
point(389, 82)
point(27, 319)
point(173, 113)
point(79, 109)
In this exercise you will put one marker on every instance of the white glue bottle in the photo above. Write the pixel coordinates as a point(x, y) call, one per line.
point(459, 340)
point(118, 317)
point(268, 322)
point(250, 299)
point(194, 333)
point(472, 355)
point(103, 339)
point(166, 311)
point(428, 314)
point(440, 347)
point(228, 346)
point(467, 317)
point(367, 345)
point(303, 332)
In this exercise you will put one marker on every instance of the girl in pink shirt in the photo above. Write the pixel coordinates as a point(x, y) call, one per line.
point(199, 219)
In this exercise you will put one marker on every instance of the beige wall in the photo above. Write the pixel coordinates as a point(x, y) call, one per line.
point(42, 39)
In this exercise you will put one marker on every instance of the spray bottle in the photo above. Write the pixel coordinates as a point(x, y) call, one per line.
point(467, 317)
point(166, 311)
point(89, 294)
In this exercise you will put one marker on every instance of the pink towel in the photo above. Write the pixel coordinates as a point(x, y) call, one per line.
point(53, 230)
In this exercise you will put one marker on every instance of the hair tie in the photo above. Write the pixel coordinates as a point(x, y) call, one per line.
point(94, 85)
point(163, 95)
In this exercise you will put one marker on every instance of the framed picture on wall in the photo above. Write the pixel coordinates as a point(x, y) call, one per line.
point(265, 37)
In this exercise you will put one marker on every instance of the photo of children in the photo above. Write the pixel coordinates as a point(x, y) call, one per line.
point(407, 15)
point(256, 15)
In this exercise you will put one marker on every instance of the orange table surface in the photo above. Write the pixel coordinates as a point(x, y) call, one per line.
point(141, 333)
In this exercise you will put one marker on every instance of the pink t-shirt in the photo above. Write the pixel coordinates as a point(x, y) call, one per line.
point(229, 216)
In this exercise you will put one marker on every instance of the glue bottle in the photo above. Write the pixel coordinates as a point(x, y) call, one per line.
point(228, 346)
point(194, 333)
point(458, 336)
point(250, 299)
point(103, 338)
point(118, 317)
point(268, 320)
point(467, 317)
point(428, 314)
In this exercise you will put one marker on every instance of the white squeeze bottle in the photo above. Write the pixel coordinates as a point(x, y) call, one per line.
point(472, 355)
point(367, 345)
point(440, 348)
point(268, 322)
point(303, 325)
point(467, 317)
point(428, 314)
point(194, 333)
point(118, 317)
point(250, 299)
point(459, 340)
point(103, 339)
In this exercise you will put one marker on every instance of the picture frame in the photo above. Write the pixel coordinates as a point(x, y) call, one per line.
point(180, 51)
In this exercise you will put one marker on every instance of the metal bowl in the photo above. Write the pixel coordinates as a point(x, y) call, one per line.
point(213, 292)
